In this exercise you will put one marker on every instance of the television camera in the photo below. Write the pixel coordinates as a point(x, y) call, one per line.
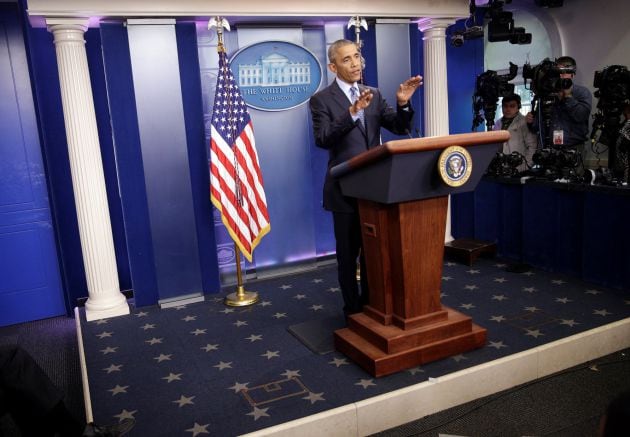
point(488, 88)
point(613, 92)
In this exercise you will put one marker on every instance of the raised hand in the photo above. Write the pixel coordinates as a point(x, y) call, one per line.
point(407, 88)
point(362, 102)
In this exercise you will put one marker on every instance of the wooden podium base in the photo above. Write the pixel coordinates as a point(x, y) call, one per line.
point(385, 349)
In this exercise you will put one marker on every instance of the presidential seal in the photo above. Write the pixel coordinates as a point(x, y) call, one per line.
point(455, 166)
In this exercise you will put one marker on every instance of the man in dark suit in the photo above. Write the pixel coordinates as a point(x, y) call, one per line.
point(347, 120)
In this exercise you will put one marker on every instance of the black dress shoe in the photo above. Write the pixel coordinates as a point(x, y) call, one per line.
point(118, 429)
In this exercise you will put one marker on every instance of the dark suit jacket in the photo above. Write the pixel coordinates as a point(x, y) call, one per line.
point(344, 138)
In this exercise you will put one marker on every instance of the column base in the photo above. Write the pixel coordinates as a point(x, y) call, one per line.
point(105, 313)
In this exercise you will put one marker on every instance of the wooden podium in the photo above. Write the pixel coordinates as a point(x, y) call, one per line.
point(403, 202)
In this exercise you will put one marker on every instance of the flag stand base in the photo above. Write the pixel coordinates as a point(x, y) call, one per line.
point(241, 298)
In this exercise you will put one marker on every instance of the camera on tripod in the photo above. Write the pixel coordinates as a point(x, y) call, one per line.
point(505, 165)
point(488, 88)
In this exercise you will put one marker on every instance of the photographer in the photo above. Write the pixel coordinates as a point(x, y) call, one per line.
point(522, 140)
point(570, 110)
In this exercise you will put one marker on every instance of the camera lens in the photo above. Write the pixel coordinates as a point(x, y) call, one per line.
point(565, 84)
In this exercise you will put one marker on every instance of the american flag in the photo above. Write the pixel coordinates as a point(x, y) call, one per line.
point(236, 184)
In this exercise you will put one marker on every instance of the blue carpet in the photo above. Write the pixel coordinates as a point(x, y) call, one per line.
point(208, 369)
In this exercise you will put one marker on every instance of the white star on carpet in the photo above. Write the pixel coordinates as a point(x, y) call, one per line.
point(279, 315)
point(198, 429)
point(602, 312)
point(142, 314)
point(450, 264)
point(124, 414)
point(210, 347)
point(528, 273)
point(558, 281)
point(254, 338)
point(498, 318)
point(314, 397)
point(532, 309)
point(109, 350)
point(239, 323)
point(180, 307)
point(237, 387)
point(101, 321)
point(299, 296)
point(459, 358)
point(497, 344)
point(500, 280)
point(334, 289)
point(500, 265)
point(592, 291)
point(534, 333)
point(529, 289)
point(118, 389)
point(183, 400)
point(563, 300)
point(163, 357)
point(227, 311)
point(415, 370)
point(499, 297)
point(154, 341)
point(223, 365)
point(446, 278)
point(173, 377)
point(258, 413)
point(286, 287)
point(467, 306)
point(316, 307)
point(472, 271)
point(265, 303)
point(471, 287)
point(317, 281)
point(113, 368)
point(189, 318)
point(569, 322)
point(148, 326)
point(291, 374)
point(271, 354)
point(365, 383)
point(338, 362)
point(198, 332)
point(104, 334)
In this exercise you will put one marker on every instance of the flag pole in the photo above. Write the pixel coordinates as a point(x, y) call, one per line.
point(358, 22)
point(240, 297)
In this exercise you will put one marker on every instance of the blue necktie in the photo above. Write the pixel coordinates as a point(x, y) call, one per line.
point(354, 93)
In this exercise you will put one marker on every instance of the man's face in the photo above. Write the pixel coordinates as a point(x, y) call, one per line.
point(347, 63)
point(566, 67)
point(510, 109)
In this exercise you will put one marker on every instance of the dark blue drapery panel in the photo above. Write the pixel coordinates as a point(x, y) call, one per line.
point(117, 63)
point(195, 137)
point(605, 239)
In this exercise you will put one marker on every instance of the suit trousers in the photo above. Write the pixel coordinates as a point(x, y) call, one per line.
point(348, 244)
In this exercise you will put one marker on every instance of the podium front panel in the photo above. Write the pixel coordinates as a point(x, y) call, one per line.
point(412, 176)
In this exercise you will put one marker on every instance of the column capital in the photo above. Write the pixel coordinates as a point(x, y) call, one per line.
point(56, 23)
point(429, 23)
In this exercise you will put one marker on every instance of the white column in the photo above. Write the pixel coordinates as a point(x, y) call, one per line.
point(435, 86)
point(88, 179)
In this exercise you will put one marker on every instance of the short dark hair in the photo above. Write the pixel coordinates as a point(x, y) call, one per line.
point(566, 60)
point(332, 50)
point(512, 98)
